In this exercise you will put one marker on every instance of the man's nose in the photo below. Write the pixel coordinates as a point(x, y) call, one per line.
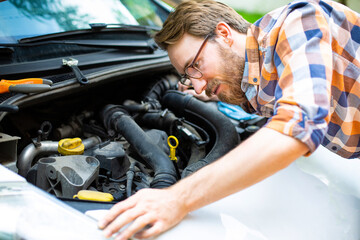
point(199, 84)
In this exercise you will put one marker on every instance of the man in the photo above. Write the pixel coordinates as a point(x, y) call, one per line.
point(298, 65)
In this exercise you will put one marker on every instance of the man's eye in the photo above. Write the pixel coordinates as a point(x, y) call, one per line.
point(196, 64)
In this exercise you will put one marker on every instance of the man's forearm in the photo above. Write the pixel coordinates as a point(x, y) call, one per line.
point(262, 155)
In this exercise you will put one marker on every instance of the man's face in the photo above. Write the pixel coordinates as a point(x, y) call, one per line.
point(221, 67)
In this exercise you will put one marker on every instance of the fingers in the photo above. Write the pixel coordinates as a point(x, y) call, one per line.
point(139, 224)
point(148, 207)
point(121, 221)
point(182, 87)
point(116, 210)
point(150, 232)
point(202, 96)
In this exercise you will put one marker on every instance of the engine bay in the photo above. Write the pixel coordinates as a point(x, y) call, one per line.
point(115, 139)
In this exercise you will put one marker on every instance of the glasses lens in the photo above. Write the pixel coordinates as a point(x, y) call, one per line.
point(193, 72)
point(185, 81)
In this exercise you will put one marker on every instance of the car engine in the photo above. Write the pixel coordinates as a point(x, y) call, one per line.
point(119, 138)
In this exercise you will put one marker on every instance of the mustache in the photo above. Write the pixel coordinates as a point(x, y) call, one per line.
point(212, 84)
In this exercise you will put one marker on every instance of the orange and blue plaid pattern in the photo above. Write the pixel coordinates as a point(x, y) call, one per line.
point(302, 70)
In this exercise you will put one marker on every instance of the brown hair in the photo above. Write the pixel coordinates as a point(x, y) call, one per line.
point(198, 18)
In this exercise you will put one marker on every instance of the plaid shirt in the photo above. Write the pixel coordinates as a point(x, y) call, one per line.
point(302, 71)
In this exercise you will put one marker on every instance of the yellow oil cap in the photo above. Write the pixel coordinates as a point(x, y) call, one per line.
point(71, 146)
point(94, 196)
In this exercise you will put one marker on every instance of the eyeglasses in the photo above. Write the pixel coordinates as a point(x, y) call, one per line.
point(191, 71)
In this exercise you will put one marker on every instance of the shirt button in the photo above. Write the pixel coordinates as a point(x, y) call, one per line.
point(334, 148)
point(255, 79)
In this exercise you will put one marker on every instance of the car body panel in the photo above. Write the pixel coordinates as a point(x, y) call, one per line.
point(316, 197)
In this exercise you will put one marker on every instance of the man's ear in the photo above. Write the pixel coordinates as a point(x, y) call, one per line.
point(224, 31)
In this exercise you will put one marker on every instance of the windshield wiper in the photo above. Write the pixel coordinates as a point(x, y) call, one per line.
point(101, 26)
point(94, 27)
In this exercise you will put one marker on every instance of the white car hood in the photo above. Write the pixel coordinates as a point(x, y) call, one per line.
point(315, 198)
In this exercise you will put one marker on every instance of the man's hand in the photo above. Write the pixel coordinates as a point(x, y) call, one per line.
point(202, 96)
point(149, 212)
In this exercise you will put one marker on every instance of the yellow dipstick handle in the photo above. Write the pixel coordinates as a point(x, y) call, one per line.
point(173, 148)
point(94, 196)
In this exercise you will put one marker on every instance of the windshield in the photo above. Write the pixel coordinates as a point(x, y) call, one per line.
point(28, 18)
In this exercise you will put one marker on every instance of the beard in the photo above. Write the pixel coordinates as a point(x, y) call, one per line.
point(232, 69)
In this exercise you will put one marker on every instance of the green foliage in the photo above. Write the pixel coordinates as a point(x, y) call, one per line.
point(250, 17)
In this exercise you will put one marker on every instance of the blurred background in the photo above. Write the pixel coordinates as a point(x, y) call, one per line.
point(255, 9)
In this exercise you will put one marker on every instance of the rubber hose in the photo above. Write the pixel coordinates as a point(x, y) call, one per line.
point(116, 118)
point(189, 107)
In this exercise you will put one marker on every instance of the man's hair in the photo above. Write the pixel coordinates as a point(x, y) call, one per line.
point(198, 18)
